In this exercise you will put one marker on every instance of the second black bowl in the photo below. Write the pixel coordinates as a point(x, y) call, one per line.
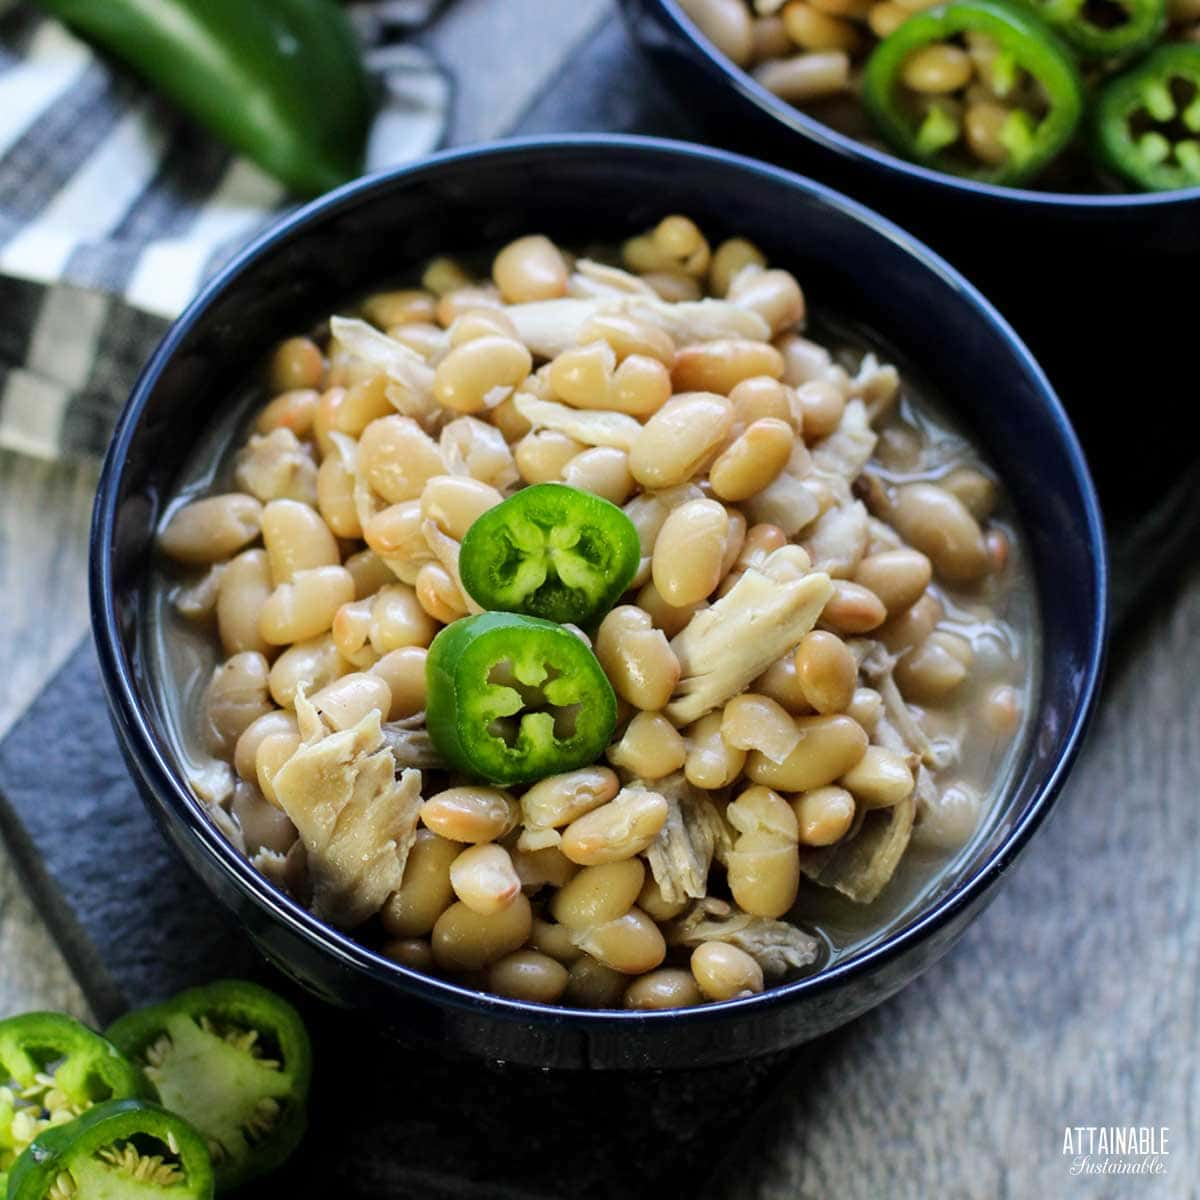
point(1092, 282)
point(579, 190)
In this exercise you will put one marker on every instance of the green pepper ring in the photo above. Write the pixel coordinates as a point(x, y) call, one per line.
point(245, 1004)
point(91, 1064)
point(1148, 19)
point(510, 561)
point(64, 1147)
point(1035, 49)
point(462, 702)
point(1123, 96)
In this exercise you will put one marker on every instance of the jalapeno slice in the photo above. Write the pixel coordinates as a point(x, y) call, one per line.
point(52, 1069)
point(118, 1150)
point(550, 551)
point(512, 699)
point(1147, 121)
point(1105, 28)
point(1034, 93)
point(233, 1059)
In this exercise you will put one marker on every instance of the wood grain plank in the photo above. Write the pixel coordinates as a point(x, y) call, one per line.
point(1073, 1000)
point(44, 513)
point(529, 41)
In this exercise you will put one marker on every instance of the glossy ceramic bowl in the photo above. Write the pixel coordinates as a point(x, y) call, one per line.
point(577, 189)
point(1085, 278)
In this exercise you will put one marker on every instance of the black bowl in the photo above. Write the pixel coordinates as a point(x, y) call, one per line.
point(578, 189)
point(1095, 283)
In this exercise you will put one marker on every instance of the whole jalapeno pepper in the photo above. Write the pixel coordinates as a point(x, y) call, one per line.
point(1146, 123)
point(280, 80)
point(52, 1069)
point(1131, 25)
point(512, 699)
point(233, 1059)
point(928, 129)
point(118, 1150)
point(550, 551)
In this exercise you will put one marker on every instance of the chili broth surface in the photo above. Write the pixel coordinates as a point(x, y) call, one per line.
point(985, 726)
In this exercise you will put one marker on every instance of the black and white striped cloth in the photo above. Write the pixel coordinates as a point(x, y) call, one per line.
point(114, 208)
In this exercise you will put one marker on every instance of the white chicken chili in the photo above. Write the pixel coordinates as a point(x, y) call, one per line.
point(720, 700)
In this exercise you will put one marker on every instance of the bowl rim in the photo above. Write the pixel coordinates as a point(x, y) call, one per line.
point(152, 761)
point(803, 124)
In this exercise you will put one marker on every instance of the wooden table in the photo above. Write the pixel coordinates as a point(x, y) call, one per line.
point(1072, 1001)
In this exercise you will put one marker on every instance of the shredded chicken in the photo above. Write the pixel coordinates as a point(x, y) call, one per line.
point(681, 855)
point(785, 501)
point(411, 745)
point(926, 792)
point(897, 723)
point(592, 280)
point(548, 327)
point(881, 537)
point(229, 828)
point(592, 427)
point(691, 321)
point(272, 866)
point(366, 503)
point(213, 782)
point(725, 647)
point(197, 601)
point(276, 466)
point(876, 384)
point(446, 550)
point(410, 390)
point(474, 448)
point(538, 837)
point(840, 458)
point(862, 864)
point(355, 819)
point(775, 945)
point(838, 539)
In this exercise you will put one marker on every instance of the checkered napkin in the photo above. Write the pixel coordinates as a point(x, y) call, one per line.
point(114, 209)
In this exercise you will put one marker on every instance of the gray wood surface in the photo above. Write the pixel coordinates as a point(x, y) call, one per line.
point(44, 513)
point(1073, 1000)
point(502, 52)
